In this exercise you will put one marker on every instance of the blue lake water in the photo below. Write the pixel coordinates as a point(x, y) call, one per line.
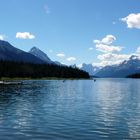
point(71, 110)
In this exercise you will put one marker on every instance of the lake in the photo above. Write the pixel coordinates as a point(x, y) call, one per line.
point(70, 110)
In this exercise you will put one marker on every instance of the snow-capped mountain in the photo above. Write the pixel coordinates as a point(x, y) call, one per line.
point(40, 54)
point(11, 53)
point(123, 69)
point(92, 70)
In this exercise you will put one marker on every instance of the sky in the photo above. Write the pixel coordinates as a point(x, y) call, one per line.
point(100, 32)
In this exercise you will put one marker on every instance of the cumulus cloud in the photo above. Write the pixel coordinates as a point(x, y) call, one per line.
point(109, 39)
point(132, 20)
point(101, 64)
point(105, 45)
point(111, 53)
point(106, 63)
point(106, 48)
point(71, 58)
point(79, 66)
point(113, 57)
point(97, 41)
point(138, 50)
point(24, 35)
point(61, 55)
point(2, 37)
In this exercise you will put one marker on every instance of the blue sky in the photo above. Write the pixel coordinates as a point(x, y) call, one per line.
point(67, 29)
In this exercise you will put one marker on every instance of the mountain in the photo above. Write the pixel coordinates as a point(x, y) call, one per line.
point(17, 63)
point(73, 66)
point(40, 54)
point(92, 70)
point(10, 53)
point(43, 56)
point(58, 63)
point(127, 67)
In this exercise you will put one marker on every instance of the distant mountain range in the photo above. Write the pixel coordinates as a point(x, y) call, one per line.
point(92, 70)
point(127, 67)
point(123, 69)
point(36, 56)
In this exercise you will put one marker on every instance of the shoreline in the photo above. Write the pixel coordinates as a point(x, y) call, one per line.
point(45, 78)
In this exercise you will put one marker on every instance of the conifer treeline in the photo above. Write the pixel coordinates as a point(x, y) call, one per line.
point(136, 75)
point(29, 70)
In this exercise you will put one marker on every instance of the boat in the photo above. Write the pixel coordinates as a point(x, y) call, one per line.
point(10, 83)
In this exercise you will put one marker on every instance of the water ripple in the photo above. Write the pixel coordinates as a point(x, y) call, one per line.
point(74, 110)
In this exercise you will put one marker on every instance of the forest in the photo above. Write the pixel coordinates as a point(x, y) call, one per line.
point(12, 69)
point(136, 75)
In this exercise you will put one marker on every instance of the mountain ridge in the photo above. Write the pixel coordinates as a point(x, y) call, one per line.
point(127, 67)
point(40, 54)
point(92, 70)
point(10, 53)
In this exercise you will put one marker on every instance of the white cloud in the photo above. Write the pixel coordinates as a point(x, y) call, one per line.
point(113, 57)
point(90, 49)
point(24, 35)
point(108, 39)
point(132, 20)
point(79, 65)
point(2, 37)
point(71, 58)
point(106, 63)
point(108, 49)
point(61, 55)
point(97, 41)
point(138, 50)
point(105, 45)
point(101, 64)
